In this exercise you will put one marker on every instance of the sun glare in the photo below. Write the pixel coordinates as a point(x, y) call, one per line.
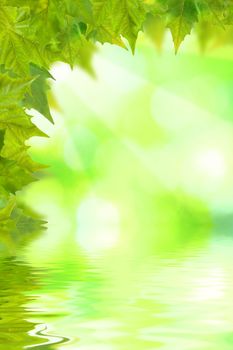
point(98, 224)
point(211, 162)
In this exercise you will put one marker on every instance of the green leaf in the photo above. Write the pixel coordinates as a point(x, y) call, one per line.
point(80, 9)
point(18, 128)
point(16, 51)
point(182, 15)
point(37, 97)
point(12, 177)
point(12, 90)
point(116, 18)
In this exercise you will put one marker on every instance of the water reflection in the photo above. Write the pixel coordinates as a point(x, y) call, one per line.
point(16, 284)
point(74, 300)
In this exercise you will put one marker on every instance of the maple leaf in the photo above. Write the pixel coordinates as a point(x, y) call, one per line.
point(181, 16)
point(12, 177)
point(18, 128)
point(14, 46)
point(12, 90)
point(37, 97)
point(116, 18)
point(80, 9)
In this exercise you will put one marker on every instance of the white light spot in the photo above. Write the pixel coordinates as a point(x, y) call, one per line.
point(98, 224)
point(61, 72)
point(211, 162)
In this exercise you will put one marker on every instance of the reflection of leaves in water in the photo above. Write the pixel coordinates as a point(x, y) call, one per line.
point(16, 279)
point(17, 227)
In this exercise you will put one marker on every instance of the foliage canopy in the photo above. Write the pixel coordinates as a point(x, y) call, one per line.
point(35, 34)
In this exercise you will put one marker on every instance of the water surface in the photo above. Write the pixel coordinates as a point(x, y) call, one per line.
point(71, 299)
